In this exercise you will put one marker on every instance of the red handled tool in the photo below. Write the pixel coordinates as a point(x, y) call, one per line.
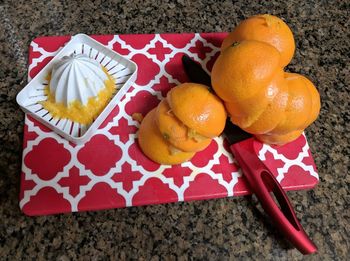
point(259, 178)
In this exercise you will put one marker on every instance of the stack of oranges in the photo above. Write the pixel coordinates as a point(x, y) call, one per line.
point(249, 77)
point(259, 96)
point(182, 124)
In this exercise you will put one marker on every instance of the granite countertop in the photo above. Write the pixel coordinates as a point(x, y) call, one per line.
point(221, 229)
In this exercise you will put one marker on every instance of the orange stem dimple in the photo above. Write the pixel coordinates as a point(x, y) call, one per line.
point(235, 44)
point(271, 21)
point(268, 19)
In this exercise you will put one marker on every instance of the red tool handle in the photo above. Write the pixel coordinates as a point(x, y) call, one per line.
point(262, 181)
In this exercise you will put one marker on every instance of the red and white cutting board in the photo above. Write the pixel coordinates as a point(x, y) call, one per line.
point(110, 171)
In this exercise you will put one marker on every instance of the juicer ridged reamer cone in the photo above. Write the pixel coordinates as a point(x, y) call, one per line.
point(76, 78)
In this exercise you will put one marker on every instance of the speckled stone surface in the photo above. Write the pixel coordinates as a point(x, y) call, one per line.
point(222, 229)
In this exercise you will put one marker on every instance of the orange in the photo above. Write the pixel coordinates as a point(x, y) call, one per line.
point(199, 109)
point(273, 114)
point(175, 132)
point(315, 100)
point(279, 139)
point(242, 70)
point(301, 110)
point(155, 147)
point(265, 28)
point(245, 112)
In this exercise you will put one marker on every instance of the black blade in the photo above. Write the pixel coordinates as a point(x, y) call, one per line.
point(234, 133)
point(196, 74)
point(195, 71)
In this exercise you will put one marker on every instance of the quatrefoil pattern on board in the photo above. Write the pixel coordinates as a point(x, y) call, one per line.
point(110, 171)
